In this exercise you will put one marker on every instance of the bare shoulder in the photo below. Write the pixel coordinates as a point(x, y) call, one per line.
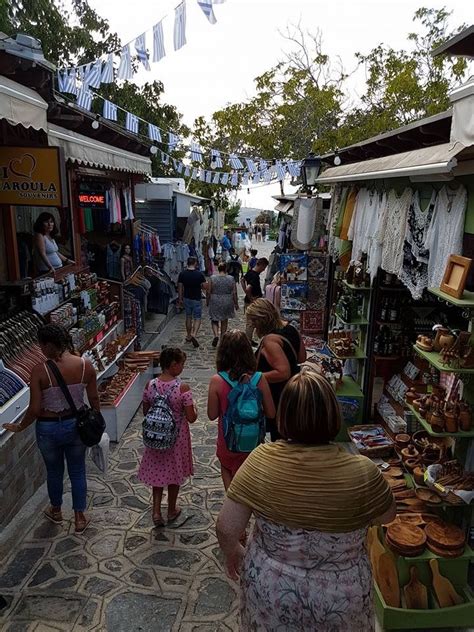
point(38, 371)
point(184, 388)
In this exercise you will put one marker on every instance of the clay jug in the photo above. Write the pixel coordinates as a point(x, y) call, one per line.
point(465, 418)
point(450, 422)
point(437, 420)
point(446, 339)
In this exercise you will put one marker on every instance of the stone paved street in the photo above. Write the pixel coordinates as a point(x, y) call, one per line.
point(121, 574)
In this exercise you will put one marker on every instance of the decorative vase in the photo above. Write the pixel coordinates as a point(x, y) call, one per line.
point(445, 339)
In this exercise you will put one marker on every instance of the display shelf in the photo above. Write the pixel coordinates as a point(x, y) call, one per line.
point(356, 288)
point(387, 323)
point(106, 372)
point(100, 336)
point(356, 321)
point(388, 288)
point(75, 295)
point(390, 358)
point(467, 299)
point(357, 355)
point(435, 360)
point(461, 434)
point(348, 388)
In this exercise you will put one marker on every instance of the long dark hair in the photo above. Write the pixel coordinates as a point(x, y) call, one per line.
point(57, 336)
point(42, 218)
point(235, 354)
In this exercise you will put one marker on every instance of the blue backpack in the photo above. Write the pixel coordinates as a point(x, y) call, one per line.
point(244, 421)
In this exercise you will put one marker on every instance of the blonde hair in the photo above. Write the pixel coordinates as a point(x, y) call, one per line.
point(264, 316)
point(309, 411)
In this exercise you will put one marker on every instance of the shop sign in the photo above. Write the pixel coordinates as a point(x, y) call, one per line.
point(32, 176)
point(92, 199)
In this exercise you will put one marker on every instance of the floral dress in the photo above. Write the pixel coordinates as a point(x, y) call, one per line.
point(294, 580)
point(170, 467)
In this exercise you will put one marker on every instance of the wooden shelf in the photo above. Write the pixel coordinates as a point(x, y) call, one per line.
point(467, 299)
point(349, 388)
point(381, 358)
point(460, 434)
point(358, 354)
point(435, 360)
point(357, 321)
point(356, 288)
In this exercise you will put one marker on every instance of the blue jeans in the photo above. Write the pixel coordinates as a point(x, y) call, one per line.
point(193, 308)
point(56, 440)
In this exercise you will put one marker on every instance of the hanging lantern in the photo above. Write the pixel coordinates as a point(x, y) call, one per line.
point(310, 168)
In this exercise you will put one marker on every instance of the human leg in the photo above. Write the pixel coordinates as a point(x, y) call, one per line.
point(224, 325)
point(197, 316)
point(215, 331)
point(173, 510)
point(249, 329)
point(53, 456)
point(157, 498)
point(226, 477)
point(188, 310)
point(75, 453)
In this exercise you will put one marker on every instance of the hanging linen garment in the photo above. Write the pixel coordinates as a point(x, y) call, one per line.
point(362, 217)
point(397, 211)
point(347, 214)
point(414, 272)
point(445, 233)
point(376, 233)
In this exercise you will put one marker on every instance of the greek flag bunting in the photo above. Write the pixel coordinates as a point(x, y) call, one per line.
point(279, 170)
point(180, 167)
point(165, 159)
point(216, 158)
point(187, 172)
point(267, 176)
point(140, 47)
point(202, 175)
point(196, 153)
point(293, 167)
point(109, 110)
point(208, 177)
point(245, 178)
point(251, 166)
point(256, 177)
point(158, 42)
point(125, 70)
point(234, 179)
point(67, 80)
point(225, 178)
point(154, 133)
point(235, 162)
point(218, 1)
point(131, 123)
point(173, 140)
point(108, 70)
point(93, 74)
point(179, 36)
point(194, 174)
point(206, 6)
point(62, 80)
point(262, 165)
point(175, 163)
point(217, 178)
point(84, 99)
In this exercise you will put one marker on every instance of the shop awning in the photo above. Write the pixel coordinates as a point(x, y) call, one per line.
point(20, 105)
point(87, 151)
point(437, 159)
point(284, 207)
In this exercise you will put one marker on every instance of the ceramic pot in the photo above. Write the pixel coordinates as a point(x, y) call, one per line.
point(402, 440)
point(445, 340)
point(410, 452)
point(465, 419)
point(437, 421)
point(411, 463)
point(450, 422)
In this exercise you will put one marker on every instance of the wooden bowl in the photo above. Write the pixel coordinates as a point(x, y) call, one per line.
point(402, 440)
point(419, 475)
point(410, 464)
point(410, 452)
point(427, 496)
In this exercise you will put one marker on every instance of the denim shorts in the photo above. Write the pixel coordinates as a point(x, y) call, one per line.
point(193, 308)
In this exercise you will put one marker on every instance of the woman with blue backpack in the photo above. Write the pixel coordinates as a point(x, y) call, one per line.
point(169, 409)
point(240, 398)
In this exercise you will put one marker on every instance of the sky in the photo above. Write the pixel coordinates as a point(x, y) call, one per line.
point(219, 63)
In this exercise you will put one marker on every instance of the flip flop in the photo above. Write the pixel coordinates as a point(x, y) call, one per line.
point(215, 341)
point(158, 522)
point(174, 516)
point(195, 342)
point(81, 529)
point(53, 516)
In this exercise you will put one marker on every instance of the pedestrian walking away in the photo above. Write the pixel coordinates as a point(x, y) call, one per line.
point(169, 468)
point(234, 265)
point(280, 352)
point(226, 244)
point(56, 432)
point(252, 287)
point(191, 283)
point(236, 361)
point(253, 259)
point(222, 301)
point(306, 566)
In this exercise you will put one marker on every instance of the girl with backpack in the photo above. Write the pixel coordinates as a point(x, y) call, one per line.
point(236, 365)
point(170, 461)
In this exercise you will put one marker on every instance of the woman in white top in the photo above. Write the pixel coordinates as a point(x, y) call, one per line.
point(47, 255)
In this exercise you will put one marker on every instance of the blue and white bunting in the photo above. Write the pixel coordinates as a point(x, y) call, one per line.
point(216, 178)
point(224, 178)
point(235, 162)
point(208, 177)
point(173, 140)
point(202, 175)
point(245, 178)
point(62, 80)
point(279, 170)
point(194, 174)
point(142, 54)
point(294, 168)
point(67, 80)
point(84, 99)
point(218, 1)
point(262, 165)
point(180, 167)
point(206, 6)
point(251, 166)
point(267, 175)
point(92, 74)
point(187, 172)
point(256, 177)
point(179, 35)
point(154, 133)
point(216, 159)
point(165, 159)
point(234, 179)
point(109, 111)
point(158, 42)
point(196, 153)
point(125, 71)
point(108, 70)
point(131, 123)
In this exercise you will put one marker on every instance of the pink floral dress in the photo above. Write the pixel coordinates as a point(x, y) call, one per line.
point(295, 580)
point(170, 467)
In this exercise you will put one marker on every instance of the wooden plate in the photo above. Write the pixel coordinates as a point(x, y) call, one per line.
point(449, 553)
point(406, 536)
point(414, 520)
point(405, 551)
point(427, 496)
point(445, 535)
point(394, 472)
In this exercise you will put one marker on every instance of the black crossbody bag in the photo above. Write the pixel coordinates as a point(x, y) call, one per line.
point(90, 423)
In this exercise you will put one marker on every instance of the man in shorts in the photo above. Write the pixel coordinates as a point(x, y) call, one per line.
point(191, 282)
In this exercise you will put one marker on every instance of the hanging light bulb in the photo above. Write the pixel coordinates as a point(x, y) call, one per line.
point(337, 159)
point(95, 123)
point(153, 150)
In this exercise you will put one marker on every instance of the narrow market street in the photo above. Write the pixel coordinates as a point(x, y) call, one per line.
point(121, 574)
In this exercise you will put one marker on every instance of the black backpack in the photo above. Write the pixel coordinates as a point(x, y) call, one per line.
point(234, 267)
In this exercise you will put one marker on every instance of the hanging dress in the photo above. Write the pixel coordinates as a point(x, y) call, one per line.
point(397, 212)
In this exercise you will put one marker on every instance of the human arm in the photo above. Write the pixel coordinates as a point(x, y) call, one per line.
point(301, 352)
point(267, 401)
point(235, 296)
point(122, 268)
point(65, 259)
point(34, 408)
point(41, 250)
point(213, 408)
point(91, 386)
point(180, 293)
point(231, 523)
point(208, 292)
point(190, 411)
point(276, 358)
point(147, 398)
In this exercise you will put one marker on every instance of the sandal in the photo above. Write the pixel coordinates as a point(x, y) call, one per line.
point(194, 342)
point(54, 516)
point(176, 514)
point(158, 522)
point(81, 525)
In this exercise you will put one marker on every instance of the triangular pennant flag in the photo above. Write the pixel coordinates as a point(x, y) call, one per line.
point(267, 176)
point(108, 70)
point(158, 42)
point(125, 71)
point(154, 133)
point(263, 165)
point(179, 36)
point(131, 123)
point(216, 159)
point(140, 47)
point(217, 178)
point(62, 80)
point(109, 111)
point(235, 162)
point(206, 6)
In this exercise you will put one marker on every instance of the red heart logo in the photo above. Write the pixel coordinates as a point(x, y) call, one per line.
point(23, 166)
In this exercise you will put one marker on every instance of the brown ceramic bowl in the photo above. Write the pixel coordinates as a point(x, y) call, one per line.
point(411, 463)
point(402, 440)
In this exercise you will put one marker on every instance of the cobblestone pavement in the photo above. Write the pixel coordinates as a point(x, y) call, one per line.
point(121, 574)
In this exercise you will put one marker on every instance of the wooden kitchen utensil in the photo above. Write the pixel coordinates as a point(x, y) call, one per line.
point(443, 588)
point(416, 594)
point(388, 579)
point(376, 549)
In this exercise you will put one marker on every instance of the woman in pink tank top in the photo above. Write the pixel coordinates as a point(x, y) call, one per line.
point(56, 432)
